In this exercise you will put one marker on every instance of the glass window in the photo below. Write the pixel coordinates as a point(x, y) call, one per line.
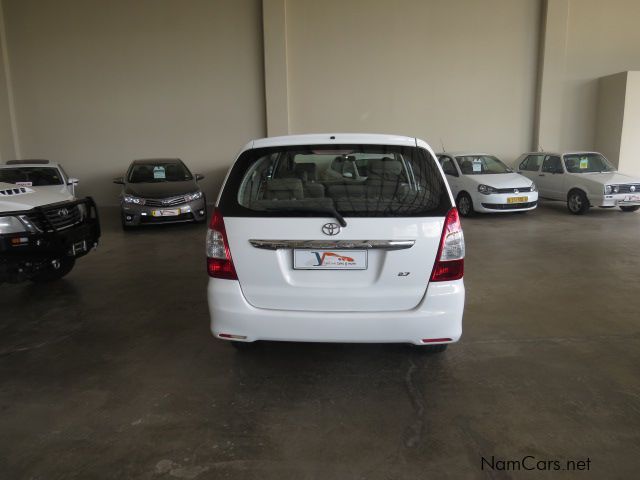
point(448, 167)
point(587, 162)
point(355, 180)
point(481, 165)
point(531, 163)
point(153, 171)
point(552, 164)
point(31, 176)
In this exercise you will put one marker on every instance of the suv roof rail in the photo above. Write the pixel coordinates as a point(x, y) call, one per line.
point(35, 161)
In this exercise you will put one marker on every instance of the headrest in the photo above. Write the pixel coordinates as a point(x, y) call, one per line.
point(306, 168)
point(386, 166)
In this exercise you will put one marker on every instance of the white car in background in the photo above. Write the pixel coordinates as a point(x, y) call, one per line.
point(46, 175)
point(336, 238)
point(582, 179)
point(482, 183)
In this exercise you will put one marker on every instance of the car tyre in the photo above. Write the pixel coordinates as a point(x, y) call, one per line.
point(630, 209)
point(465, 205)
point(577, 202)
point(55, 270)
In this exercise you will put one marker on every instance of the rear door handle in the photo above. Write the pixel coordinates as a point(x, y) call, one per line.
point(541, 175)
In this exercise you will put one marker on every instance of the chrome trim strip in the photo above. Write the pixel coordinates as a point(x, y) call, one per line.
point(334, 244)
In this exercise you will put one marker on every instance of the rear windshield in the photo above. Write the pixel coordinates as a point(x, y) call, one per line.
point(159, 171)
point(355, 180)
point(31, 176)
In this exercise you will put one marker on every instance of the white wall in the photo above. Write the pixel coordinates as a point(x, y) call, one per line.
point(612, 92)
point(436, 69)
point(603, 38)
point(629, 161)
point(98, 83)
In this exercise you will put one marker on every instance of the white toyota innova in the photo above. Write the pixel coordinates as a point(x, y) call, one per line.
point(336, 238)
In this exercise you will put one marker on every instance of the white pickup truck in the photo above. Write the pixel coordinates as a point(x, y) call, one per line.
point(43, 232)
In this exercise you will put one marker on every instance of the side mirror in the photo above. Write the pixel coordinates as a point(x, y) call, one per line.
point(199, 177)
point(119, 181)
point(72, 181)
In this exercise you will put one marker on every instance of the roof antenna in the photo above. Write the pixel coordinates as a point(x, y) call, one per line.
point(444, 150)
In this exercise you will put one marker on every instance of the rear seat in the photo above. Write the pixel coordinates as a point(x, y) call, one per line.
point(307, 173)
point(284, 189)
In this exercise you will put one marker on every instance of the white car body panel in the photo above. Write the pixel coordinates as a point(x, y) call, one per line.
point(469, 184)
point(269, 281)
point(391, 301)
point(34, 197)
point(556, 186)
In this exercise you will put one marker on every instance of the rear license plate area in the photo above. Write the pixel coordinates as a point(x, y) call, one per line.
point(307, 259)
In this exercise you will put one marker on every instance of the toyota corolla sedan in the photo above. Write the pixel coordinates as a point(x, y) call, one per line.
point(160, 191)
point(336, 238)
point(482, 183)
point(582, 179)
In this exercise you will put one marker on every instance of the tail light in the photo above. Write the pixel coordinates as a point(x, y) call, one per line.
point(450, 259)
point(219, 261)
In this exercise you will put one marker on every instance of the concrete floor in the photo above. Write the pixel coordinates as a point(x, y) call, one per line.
point(112, 372)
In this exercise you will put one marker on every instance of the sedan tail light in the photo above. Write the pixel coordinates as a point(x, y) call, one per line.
point(219, 261)
point(450, 259)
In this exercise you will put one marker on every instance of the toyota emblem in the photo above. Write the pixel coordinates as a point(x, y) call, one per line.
point(63, 212)
point(331, 229)
point(633, 188)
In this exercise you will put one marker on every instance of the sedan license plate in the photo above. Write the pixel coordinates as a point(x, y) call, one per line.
point(517, 199)
point(632, 198)
point(329, 259)
point(174, 212)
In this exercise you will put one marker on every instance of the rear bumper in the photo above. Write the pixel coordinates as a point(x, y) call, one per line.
point(438, 316)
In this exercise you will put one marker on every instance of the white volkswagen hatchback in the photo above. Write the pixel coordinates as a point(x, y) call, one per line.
point(336, 238)
point(582, 179)
point(482, 183)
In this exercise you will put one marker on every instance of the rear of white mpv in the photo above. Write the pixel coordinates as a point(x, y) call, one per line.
point(336, 238)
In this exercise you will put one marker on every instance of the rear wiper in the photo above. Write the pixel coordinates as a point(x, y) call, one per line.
point(307, 208)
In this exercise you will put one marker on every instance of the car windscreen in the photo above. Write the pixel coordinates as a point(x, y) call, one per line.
point(481, 165)
point(154, 172)
point(587, 163)
point(31, 176)
point(353, 180)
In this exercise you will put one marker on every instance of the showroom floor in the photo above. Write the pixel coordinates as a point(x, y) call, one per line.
point(112, 372)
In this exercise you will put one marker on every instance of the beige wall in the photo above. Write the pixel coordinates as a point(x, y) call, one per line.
point(630, 142)
point(603, 38)
point(436, 69)
point(7, 147)
point(98, 83)
point(612, 92)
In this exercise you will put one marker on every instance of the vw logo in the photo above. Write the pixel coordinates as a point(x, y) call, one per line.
point(331, 229)
point(633, 188)
point(63, 212)
point(515, 190)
